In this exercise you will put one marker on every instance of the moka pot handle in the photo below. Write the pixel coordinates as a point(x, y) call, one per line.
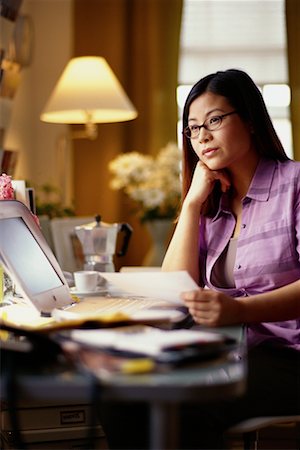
point(127, 230)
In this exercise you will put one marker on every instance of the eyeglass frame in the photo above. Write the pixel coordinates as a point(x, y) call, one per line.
point(221, 116)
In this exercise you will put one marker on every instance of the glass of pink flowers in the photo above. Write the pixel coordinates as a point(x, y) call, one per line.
point(6, 193)
point(6, 188)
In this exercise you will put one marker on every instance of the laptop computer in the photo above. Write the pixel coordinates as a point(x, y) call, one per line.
point(31, 263)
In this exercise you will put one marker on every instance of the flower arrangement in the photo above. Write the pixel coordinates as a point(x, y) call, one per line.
point(153, 183)
point(6, 189)
point(7, 192)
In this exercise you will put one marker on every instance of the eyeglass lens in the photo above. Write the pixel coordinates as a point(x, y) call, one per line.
point(210, 124)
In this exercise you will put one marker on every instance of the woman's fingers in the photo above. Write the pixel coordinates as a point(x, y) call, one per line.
point(204, 180)
point(198, 303)
point(204, 306)
point(213, 308)
point(223, 178)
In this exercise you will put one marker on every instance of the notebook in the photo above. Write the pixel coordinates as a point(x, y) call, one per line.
point(29, 260)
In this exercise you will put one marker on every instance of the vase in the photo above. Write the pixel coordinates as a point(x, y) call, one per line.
point(159, 231)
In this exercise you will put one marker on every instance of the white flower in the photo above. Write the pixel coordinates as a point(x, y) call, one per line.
point(153, 183)
point(130, 168)
point(151, 197)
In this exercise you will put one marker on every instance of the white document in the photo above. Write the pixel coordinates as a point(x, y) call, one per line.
point(20, 191)
point(143, 339)
point(166, 286)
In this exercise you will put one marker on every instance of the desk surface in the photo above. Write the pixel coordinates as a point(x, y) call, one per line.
point(216, 379)
point(213, 379)
point(225, 375)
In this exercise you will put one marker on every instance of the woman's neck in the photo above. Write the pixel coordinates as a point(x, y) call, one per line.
point(241, 176)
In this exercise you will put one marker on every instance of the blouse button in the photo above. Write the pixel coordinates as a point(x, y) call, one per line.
point(243, 225)
point(239, 266)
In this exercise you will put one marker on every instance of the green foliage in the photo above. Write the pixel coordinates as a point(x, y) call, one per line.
point(48, 202)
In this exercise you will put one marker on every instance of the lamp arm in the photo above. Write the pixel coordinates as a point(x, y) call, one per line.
point(90, 131)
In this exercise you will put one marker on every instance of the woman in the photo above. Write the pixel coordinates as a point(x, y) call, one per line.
point(238, 234)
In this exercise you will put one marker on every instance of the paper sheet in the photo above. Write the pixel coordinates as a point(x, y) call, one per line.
point(166, 286)
point(144, 339)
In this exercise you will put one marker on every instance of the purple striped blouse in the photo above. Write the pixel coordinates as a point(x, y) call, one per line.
point(268, 250)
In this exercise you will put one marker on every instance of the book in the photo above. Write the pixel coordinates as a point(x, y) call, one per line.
point(8, 161)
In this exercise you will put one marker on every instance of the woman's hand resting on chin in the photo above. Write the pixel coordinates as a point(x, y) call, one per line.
point(203, 182)
point(213, 308)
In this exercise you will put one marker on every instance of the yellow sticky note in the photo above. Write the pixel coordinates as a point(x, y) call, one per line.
point(139, 365)
point(3, 334)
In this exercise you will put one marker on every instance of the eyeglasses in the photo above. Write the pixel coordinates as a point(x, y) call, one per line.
point(210, 124)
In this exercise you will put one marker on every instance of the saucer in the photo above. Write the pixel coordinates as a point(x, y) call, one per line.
point(98, 291)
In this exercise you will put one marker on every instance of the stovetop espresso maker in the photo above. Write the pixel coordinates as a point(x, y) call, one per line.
point(98, 240)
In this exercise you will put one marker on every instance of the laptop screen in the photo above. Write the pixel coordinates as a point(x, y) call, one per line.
point(34, 269)
point(29, 260)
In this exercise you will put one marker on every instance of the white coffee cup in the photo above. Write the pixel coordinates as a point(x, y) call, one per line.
point(86, 280)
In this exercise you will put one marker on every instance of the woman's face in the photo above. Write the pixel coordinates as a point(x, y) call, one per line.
point(226, 146)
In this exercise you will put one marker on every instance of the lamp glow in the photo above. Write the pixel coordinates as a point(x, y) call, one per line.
point(88, 92)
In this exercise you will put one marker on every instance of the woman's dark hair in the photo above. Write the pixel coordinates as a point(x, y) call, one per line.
point(245, 97)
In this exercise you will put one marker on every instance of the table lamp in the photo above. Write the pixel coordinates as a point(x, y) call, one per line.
point(88, 93)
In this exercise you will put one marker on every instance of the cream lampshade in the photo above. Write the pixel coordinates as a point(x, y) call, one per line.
point(88, 92)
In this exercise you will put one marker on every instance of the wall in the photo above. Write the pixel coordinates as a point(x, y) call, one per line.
point(36, 141)
point(139, 39)
point(57, 23)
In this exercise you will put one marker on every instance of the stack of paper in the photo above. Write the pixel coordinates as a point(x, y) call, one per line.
point(145, 340)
